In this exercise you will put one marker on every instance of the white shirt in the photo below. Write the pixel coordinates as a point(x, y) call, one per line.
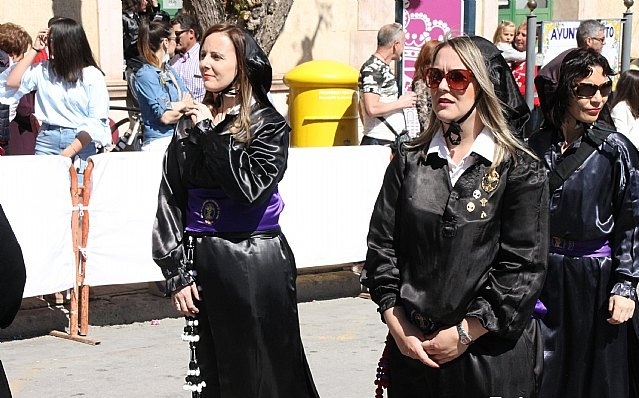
point(484, 146)
point(83, 106)
point(625, 123)
point(9, 96)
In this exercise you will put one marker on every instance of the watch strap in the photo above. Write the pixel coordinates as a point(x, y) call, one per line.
point(464, 337)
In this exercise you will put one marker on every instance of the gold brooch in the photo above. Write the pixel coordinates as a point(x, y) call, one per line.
point(490, 181)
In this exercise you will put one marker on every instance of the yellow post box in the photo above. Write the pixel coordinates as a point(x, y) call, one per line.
point(322, 104)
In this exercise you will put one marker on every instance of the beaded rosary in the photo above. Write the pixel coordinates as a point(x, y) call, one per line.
point(193, 379)
point(382, 378)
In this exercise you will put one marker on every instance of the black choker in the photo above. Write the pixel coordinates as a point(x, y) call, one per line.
point(453, 133)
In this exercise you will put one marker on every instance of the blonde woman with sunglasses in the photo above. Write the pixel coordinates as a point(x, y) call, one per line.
point(593, 264)
point(457, 244)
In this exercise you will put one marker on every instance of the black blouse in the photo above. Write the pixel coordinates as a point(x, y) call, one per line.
point(477, 249)
point(600, 200)
point(211, 158)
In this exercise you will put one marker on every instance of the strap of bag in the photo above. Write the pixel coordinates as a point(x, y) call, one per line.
point(383, 119)
point(590, 142)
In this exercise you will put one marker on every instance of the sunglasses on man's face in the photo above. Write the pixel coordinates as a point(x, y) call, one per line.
point(588, 90)
point(457, 79)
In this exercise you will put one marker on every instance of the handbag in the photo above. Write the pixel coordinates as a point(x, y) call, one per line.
point(401, 138)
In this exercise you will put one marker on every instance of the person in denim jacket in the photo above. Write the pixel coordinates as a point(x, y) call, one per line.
point(162, 95)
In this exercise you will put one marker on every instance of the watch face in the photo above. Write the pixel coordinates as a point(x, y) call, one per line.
point(464, 338)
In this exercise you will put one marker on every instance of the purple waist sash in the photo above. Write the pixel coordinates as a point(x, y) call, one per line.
point(587, 248)
point(211, 211)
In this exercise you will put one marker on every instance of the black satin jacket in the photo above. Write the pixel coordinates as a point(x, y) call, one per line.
point(211, 158)
point(463, 251)
point(14, 274)
point(600, 200)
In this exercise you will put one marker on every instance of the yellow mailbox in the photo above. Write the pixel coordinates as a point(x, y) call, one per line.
point(322, 104)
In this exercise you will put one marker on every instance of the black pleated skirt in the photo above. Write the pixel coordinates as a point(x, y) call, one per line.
point(250, 344)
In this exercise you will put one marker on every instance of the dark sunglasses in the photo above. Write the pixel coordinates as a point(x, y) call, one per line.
point(179, 32)
point(457, 79)
point(588, 90)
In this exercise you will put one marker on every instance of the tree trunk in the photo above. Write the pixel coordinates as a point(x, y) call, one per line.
point(264, 19)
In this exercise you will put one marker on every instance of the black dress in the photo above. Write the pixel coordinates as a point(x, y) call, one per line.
point(443, 253)
point(250, 339)
point(594, 249)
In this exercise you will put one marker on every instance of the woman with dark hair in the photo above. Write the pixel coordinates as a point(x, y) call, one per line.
point(625, 106)
point(161, 94)
point(593, 264)
point(228, 266)
point(457, 244)
point(71, 101)
point(422, 63)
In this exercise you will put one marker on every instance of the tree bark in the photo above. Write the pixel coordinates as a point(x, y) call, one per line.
point(264, 19)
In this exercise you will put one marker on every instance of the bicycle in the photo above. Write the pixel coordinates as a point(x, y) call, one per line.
point(131, 137)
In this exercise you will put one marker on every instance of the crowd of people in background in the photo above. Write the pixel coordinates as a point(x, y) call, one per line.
point(502, 248)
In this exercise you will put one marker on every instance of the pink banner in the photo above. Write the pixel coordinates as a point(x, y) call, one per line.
point(426, 20)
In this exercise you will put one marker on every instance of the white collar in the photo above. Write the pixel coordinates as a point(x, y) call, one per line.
point(484, 145)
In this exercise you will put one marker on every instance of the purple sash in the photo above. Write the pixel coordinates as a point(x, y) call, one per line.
point(211, 211)
point(588, 248)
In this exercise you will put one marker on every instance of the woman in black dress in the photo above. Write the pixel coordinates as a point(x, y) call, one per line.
point(457, 244)
point(593, 265)
point(217, 237)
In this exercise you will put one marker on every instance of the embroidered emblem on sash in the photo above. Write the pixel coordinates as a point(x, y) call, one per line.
point(210, 211)
point(490, 181)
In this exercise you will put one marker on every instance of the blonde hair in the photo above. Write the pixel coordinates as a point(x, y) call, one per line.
point(500, 29)
point(489, 107)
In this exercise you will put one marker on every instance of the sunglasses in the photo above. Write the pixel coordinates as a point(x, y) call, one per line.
point(457, 79)
point(587, 90)
point(179, 32)
point(601, 40)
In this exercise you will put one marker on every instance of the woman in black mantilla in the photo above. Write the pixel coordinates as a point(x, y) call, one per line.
point(593, 265)
point(219, 206)
point(457, 245)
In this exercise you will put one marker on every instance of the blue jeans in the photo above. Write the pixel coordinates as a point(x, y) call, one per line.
point(52, 140)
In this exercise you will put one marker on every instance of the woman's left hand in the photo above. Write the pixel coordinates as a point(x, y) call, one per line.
point(620, 308)
point(199, 112)
point(444, 345)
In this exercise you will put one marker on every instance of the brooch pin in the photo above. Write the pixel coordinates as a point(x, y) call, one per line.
point(483, 214)
point(476, 194)
point(483, 202)
point(490, 181)
point(470, 207)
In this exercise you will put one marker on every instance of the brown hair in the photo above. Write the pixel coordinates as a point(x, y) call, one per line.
point(628, 90)
point(14, 40)
point(424, 59)
point(242, 124)
point(150, 40)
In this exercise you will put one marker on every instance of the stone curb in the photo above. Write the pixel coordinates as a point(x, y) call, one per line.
point(142, 302)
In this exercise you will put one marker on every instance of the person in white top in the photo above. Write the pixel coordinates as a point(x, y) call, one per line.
point(72, 101)
point(381, 105)
point(625, 106)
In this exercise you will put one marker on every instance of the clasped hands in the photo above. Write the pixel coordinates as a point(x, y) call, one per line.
point(432, 350)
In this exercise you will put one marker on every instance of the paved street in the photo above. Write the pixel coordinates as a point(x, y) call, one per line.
point(343, 340)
